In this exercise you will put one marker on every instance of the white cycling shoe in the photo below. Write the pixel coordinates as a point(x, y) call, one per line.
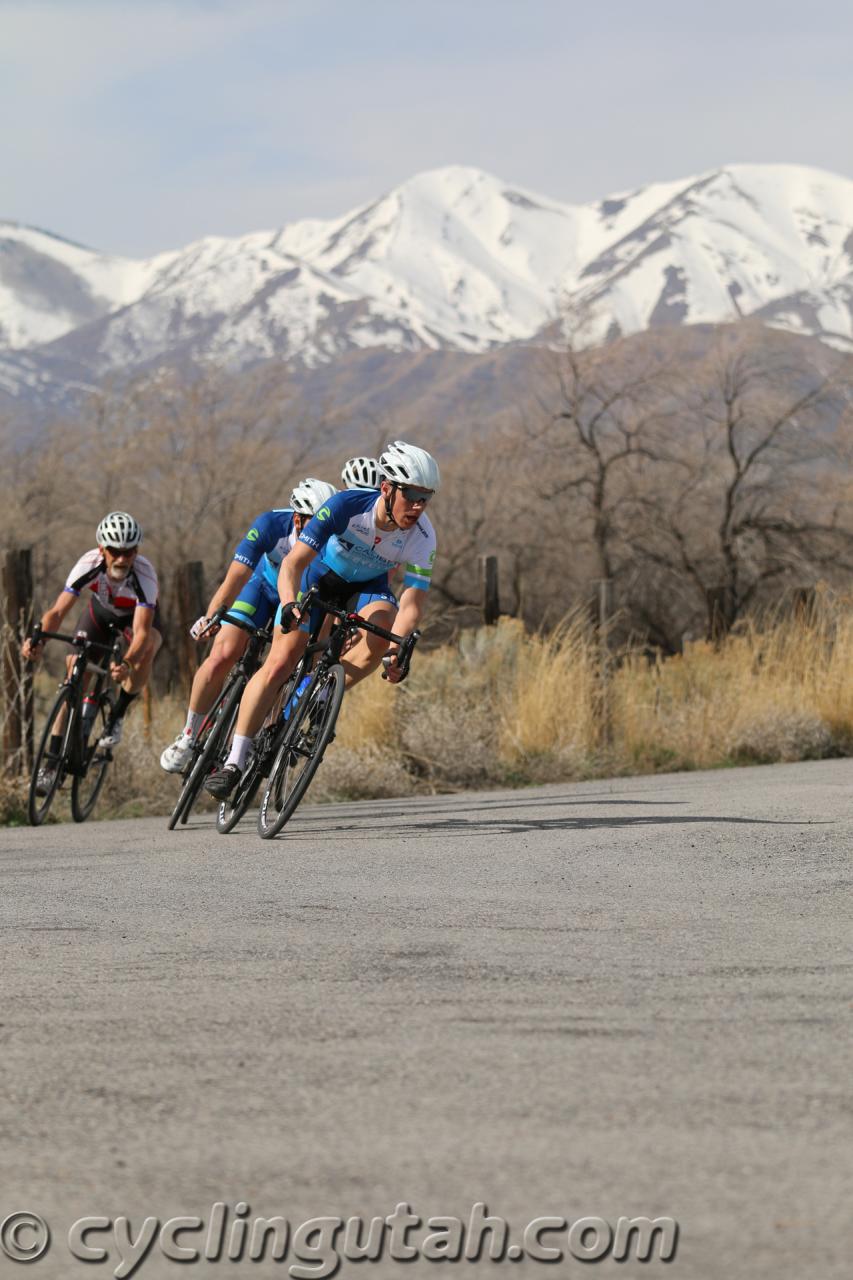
point(44, 781)
point(178, 754)
point(113, 735)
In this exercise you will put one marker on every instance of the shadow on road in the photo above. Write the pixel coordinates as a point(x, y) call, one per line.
point(483, 819)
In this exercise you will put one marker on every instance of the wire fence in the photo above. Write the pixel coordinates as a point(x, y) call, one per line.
point(17, 701)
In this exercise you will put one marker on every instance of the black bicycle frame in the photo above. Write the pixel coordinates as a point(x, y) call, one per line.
point(76, 761)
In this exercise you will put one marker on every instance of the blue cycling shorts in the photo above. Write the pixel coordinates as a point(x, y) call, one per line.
point(255, 604)
point(353, 596)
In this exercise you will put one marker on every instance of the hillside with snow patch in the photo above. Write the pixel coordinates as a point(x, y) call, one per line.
point(454, 260)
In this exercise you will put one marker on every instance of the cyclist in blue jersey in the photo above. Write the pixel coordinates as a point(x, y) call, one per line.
point(249, 593)
point(348, 549)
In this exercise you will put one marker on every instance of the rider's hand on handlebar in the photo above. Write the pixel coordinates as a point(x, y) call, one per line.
point(32, 652)
point(291, 616)
point(205, 628)
point(392, 671)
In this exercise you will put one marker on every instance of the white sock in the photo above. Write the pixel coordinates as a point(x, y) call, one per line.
point(240, 748)
point(194, 722)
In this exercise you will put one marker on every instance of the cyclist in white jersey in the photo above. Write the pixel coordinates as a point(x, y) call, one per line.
point(124, 592)
point(248, 591)
point(348, 548)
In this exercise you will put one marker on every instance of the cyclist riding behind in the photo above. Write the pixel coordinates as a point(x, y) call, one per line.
point(125, 594)
point(249, 593)
point(347, 550)
point(361, 473)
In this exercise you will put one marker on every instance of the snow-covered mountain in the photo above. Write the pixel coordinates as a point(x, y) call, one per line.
point(452, 259)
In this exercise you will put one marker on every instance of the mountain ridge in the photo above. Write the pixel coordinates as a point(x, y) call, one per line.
point(452, 259)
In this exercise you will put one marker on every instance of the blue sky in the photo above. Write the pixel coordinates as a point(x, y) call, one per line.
point(140, 125)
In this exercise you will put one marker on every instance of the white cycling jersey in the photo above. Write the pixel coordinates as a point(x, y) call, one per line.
point(140, 587)
point(345, 533)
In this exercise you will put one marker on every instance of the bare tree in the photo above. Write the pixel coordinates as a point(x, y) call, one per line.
point(740, 502)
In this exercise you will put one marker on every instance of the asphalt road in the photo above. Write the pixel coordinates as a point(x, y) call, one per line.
point(611, 999)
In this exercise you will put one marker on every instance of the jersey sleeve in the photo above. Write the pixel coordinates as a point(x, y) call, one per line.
point(147, 586)
point(85, 571)
point(418, 570)
point(332, 517)
point(261, 537)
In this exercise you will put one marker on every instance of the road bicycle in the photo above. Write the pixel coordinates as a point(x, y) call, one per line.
point(210, 747)
point(310, 726)
point(78, 718)
point(268, 739)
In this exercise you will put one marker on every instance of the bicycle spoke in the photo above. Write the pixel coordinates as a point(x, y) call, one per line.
point(213, 747)
point(49, 766)
point(86, 787)
point(300, 755)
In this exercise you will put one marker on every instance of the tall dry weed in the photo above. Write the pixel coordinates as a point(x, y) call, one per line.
point(500, 706)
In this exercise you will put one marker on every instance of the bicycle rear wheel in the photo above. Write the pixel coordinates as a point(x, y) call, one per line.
point(300, 754)
point(264, 751)
point(85, 788)
point(53, 764)
point(217, 732)
point(231, 810)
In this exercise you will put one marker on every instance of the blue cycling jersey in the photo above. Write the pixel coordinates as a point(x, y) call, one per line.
point(268, 541)
point(345, 533)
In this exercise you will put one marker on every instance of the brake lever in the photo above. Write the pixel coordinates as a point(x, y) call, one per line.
point(404, 652)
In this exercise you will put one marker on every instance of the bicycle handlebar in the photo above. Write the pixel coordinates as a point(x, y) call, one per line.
point(403, 656)
point(37, 635)
point(405, 644)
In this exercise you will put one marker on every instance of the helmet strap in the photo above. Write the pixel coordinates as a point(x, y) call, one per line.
point(389, 502)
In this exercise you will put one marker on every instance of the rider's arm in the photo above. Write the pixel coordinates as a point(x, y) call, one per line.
point(143, 620)
point(50, 620)
point(261, 537)
point(411, 611)
point(232, 584)
point(292, 568)
point(408, 619)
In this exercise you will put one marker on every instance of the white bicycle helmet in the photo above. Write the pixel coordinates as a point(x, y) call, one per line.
point(310, 494)
point(403, 463)
point(118, 529)
point(361, 473)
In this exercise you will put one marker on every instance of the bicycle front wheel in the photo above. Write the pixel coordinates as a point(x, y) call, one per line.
point(49, 766)
point(86, 787)
point(217, 734)
point(299, 756)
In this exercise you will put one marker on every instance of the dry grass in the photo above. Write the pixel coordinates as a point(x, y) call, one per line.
point(781, 691)
point(502, 707)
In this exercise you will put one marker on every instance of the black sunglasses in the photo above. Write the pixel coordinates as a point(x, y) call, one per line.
point(121, 551)
point(413, 495)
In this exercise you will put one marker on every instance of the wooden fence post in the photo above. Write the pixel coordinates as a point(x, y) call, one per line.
point(17, 674)
point(720, 607)
point(191, 604)
point(489, 579)
point(805, 605)
point(146, 712)
point(605, 611)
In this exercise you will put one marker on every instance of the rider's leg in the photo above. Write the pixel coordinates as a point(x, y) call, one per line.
point(262, 689)
point(368, 651)
point(228, 647)
point(131, 687)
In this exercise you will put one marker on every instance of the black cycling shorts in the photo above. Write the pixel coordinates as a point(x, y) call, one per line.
point(95, 622)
